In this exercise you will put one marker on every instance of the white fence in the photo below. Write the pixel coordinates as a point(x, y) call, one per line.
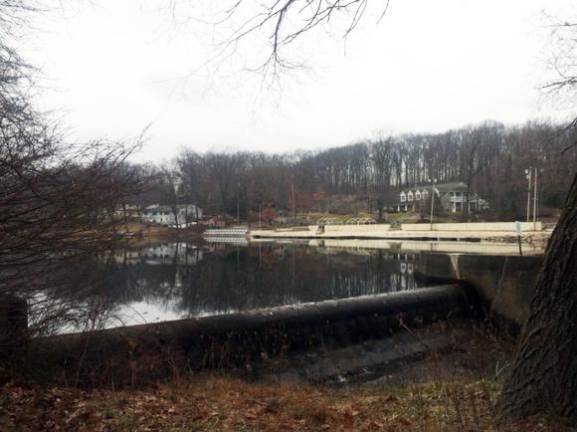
point(226, 232)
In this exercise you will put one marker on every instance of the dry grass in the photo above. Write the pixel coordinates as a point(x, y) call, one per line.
point(216, 403)
point(450, 391)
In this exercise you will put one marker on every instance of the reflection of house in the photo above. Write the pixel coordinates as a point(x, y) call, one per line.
point(452, 197)
point(170, 215)
point(171, 253)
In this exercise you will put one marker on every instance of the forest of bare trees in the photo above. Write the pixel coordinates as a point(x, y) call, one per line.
point(490, 158)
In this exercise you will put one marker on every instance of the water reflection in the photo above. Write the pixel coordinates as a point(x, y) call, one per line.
point(179, 280)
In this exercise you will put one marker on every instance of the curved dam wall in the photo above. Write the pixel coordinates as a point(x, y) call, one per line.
point(235, 340)
point(505, 283)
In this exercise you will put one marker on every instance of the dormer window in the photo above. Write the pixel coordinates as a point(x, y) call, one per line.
point(425, 194)
point(403, 197)
point(418, 195)
point(410, 196)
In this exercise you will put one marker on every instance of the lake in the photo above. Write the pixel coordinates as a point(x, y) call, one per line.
point(184, 280)
point(173, 281)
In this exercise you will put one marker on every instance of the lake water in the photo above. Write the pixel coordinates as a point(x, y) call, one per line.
point(180, 280)
point(184, 280)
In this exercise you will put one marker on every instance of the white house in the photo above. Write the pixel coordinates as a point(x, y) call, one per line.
point(452, 197)
point(169, 215)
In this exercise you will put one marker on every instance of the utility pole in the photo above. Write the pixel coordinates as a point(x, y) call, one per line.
point(294, 202)
point(432, 201)
point(528, 175)
point(176, 185)
point(535, 202)
point(237, 204)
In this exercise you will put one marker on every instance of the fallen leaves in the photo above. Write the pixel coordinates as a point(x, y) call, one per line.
point(225, 404)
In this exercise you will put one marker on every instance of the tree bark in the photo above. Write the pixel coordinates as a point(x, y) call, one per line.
point(543, 379)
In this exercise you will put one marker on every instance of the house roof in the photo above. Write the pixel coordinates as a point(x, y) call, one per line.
point(167, 208)
point(441, 187)
point(157, 207)
point(447, 187)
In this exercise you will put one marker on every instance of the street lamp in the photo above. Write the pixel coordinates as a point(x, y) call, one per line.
point(528, 176)
point(531, 174)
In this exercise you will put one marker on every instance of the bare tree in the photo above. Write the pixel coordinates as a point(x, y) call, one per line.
point(277, 24)
point(57, 200)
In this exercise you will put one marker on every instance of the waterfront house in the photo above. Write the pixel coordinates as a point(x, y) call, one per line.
point(451, 197)
point(171, 215)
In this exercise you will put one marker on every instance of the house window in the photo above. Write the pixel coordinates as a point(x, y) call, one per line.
point(425, 194)
point(403, 197)
point(418, 195)
point(410, 196)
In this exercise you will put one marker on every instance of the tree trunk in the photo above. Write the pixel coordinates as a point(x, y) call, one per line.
point(543, 379)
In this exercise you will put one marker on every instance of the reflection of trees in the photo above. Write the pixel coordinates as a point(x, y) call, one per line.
point(153, 276)
point(248, 278)
point(107, 283)
point(191, 282)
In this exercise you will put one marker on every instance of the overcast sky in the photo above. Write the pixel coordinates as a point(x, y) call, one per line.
point(112, 67)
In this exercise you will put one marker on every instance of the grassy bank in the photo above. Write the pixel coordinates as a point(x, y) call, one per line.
point(452, 390)
point(216, 403)
point(448, 389)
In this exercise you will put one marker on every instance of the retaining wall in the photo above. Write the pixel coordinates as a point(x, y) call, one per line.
point(422, 230)
point(506, 283)
point(311, 231)
point(509, 227)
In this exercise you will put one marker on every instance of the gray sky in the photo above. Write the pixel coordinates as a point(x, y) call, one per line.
point(112, 67)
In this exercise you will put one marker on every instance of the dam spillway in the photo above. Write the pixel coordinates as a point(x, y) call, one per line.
point(233, 339)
